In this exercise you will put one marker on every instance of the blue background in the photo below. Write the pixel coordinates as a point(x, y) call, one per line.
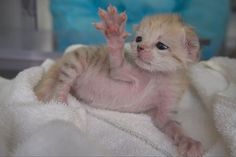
point(72, 19)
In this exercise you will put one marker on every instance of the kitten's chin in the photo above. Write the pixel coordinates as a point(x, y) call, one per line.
point(143, 64)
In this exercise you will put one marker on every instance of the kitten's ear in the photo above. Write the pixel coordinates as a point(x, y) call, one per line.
point(191, 42)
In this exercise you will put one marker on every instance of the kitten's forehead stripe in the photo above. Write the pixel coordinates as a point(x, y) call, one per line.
point(76, 54)
point(161, 21)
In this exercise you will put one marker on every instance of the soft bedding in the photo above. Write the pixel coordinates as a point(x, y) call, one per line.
point(29, 127)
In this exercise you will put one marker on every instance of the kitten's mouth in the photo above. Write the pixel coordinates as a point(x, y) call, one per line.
point(142, 60)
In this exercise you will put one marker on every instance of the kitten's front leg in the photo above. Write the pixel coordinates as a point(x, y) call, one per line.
point(69, 70)
point(113, 27)
point(67, 76)
point(186, 146)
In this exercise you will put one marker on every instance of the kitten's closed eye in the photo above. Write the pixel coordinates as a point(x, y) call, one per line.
point(161, 46)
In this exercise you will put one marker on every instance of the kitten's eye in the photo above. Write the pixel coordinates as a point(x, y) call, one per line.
point(138, 39)
point(161, 46)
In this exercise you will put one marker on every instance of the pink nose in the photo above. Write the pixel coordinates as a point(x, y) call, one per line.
point(140, 48)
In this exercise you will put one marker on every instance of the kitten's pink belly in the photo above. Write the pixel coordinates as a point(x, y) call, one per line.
point(105, 93)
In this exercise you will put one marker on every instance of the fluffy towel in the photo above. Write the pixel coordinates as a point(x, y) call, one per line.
point(29, 127)
point(217, 89)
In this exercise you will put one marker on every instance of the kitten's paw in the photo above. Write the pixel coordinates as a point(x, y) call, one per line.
point(40, 95)
point(61, 97)
point(43, 92)
point(113, 23)
point(67, 76)
point(188, 147)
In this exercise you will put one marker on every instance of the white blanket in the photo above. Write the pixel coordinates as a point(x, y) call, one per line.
point(28, 127)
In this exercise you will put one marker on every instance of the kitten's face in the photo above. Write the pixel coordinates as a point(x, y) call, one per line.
point(160, 44)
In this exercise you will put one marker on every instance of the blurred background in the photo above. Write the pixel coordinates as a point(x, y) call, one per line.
point(33, 30)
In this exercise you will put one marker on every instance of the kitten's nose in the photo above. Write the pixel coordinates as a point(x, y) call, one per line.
point(140, 48)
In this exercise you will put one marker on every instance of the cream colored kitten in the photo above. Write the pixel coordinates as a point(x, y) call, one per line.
point(152, 78)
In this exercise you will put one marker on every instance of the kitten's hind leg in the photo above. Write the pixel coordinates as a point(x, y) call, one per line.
point(58, 81)
point(70, 69)
point(44, 89)
point(186, 146)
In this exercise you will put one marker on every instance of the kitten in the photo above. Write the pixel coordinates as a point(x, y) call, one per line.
point(152, 78)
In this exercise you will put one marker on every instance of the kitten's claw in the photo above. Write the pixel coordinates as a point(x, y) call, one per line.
point(62, 98)
point(188, 147)
point(112, 10)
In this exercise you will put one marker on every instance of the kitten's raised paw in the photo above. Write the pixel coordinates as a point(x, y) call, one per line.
point(113, 23)
point(188, 147)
